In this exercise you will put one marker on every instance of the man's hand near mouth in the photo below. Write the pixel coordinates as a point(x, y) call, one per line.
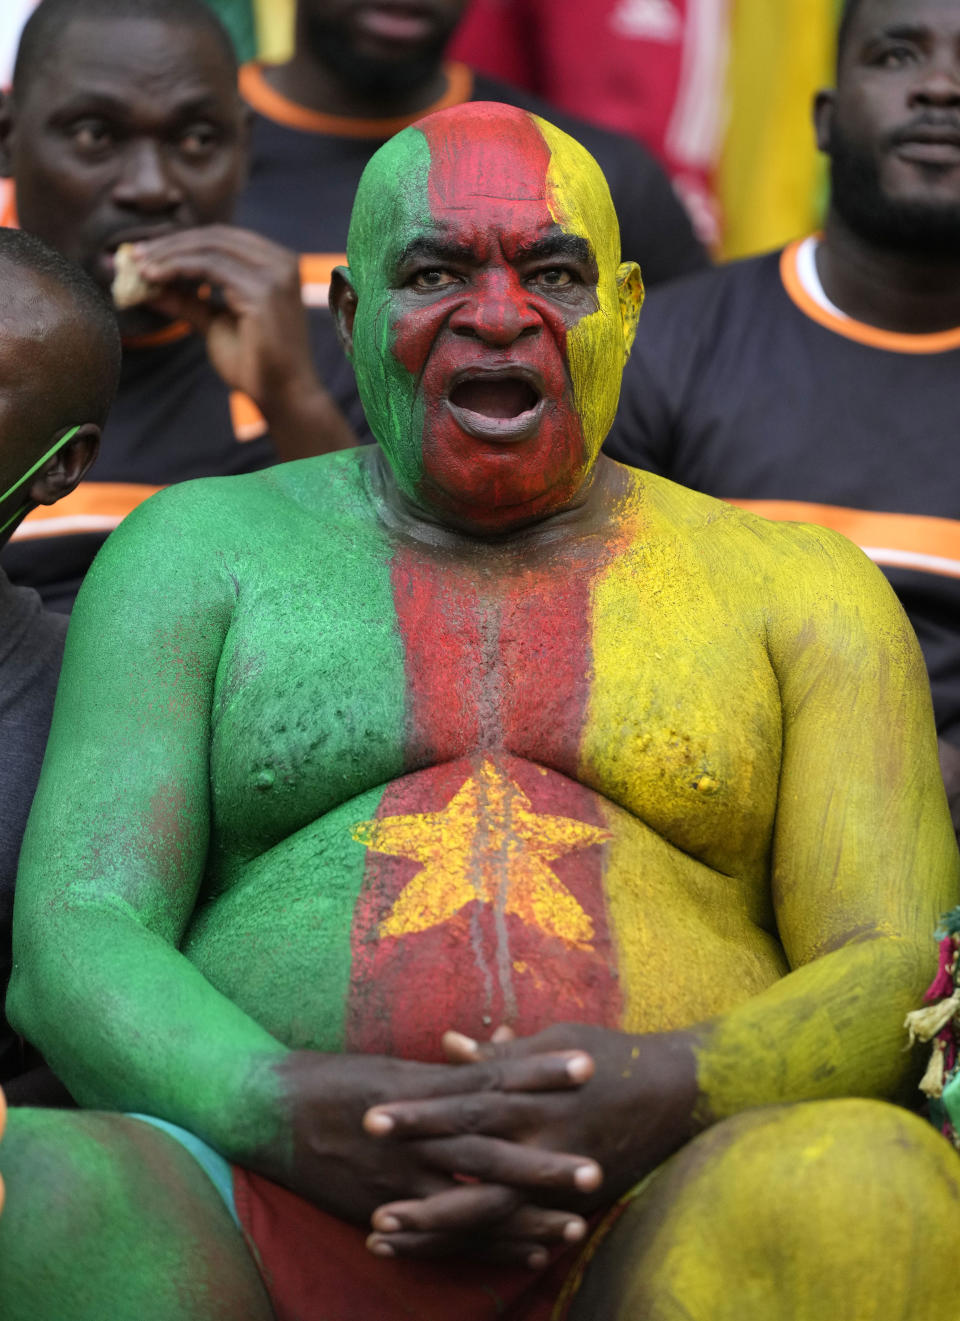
point(242, 292)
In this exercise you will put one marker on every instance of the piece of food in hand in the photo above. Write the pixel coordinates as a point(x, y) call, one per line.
point(129, 288)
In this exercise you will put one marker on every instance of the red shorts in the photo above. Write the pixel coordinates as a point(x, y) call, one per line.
point(317, 1268)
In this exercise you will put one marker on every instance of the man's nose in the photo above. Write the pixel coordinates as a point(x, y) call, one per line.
point(940, 86)
point(499, 310)
point(146, 181)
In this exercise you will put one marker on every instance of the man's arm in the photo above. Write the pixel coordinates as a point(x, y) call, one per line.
point(864, 859)
point(115, 848)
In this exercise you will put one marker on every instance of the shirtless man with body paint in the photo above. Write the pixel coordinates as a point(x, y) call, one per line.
point(480, 729)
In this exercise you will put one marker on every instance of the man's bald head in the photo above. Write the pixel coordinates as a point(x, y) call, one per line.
point(47, 298)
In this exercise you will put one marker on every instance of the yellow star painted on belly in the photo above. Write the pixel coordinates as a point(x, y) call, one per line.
point(486, 845)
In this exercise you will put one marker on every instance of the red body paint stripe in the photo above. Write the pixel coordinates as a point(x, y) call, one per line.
point(505, 686)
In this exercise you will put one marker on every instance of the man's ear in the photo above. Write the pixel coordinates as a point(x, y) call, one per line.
point(343, 305)
point(631, 294)
point(67, 468)
point(824, 104)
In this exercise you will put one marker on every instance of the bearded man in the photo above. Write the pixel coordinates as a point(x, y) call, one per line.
point(478, 730)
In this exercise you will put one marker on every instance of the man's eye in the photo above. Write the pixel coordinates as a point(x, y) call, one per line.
point(91, 135)
point(199, 141)
point(894, 57)
point(554, 278)
point(433, 280)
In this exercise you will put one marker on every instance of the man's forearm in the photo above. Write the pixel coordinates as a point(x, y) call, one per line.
point(305, 421)
point(831, 1029)
point(129, 1024)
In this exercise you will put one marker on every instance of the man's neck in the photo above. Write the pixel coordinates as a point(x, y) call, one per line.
point(312, 84)
point(910, 294)
point(584, 515)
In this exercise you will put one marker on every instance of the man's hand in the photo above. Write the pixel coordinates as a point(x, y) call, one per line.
point(634, 1111)
point(340, 1166)
point(242, 292)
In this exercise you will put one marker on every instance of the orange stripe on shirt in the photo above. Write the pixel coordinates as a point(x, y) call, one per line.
point(316, 271)
point(92, 507)
point(247, 420)
point(892, 341)
point(908, 541)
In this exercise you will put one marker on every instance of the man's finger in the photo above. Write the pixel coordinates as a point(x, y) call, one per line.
point(455, 1210)
point(492, 1160)
point(508, 1252)
point(495, 1114)
point(494, 1209)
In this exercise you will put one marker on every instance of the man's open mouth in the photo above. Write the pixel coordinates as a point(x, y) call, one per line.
point(497, 405)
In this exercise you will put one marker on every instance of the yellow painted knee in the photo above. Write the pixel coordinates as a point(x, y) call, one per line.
point(836, 1209)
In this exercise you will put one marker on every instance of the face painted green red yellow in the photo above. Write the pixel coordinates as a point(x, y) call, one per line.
point(492, 321)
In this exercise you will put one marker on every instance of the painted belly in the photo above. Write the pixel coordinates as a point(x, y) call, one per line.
point(480, 891)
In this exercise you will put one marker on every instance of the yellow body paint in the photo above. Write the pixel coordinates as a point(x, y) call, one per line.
point(838, 1209)
point(580, 202)
point(487, 846)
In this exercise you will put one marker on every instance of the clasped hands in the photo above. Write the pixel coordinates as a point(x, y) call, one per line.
point(502, 1157)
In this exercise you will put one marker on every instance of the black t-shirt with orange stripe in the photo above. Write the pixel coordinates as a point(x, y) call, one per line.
point(173, 419)
point(305, 168)
point(745, 386)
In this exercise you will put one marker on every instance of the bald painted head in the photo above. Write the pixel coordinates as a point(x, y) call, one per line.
point(487, 313)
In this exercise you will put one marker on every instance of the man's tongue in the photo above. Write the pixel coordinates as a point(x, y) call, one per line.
point(507, 397)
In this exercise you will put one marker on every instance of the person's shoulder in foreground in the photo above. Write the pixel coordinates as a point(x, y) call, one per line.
point(59, 361)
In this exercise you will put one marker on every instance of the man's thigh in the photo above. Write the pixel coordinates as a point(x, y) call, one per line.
point(106, 1216)
point(795, 1213)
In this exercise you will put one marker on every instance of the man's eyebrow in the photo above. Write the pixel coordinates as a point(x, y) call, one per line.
point(569, 246)
point(436, 250)
point(900, 32)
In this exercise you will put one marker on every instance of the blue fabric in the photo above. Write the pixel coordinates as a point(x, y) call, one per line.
point(210, 1161)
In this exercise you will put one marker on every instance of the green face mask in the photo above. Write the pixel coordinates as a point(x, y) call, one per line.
point(54, 449)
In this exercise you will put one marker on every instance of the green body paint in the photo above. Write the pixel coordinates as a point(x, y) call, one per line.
point(392, 208)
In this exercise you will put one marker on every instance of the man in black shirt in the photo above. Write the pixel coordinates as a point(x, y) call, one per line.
point(124, 126)
point(59, 362)
point(360, 73)
point(822, 384)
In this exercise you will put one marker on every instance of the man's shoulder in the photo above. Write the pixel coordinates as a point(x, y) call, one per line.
point(724, 290)
point(31, 641)
point(778, 550)
point(693, 321)
point(223, 512)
